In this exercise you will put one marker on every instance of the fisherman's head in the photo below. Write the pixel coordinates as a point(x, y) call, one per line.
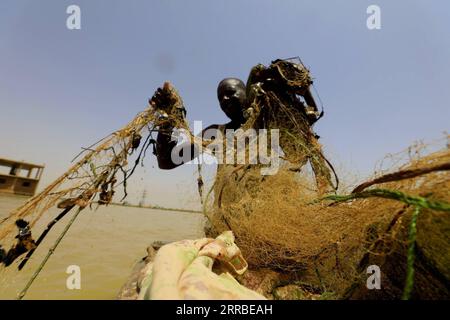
point(231, 95)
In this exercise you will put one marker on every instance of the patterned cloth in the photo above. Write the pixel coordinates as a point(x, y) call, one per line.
point(184, 270)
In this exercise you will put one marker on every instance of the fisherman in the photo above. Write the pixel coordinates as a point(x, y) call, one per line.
point(236, 100)
point(231, 93)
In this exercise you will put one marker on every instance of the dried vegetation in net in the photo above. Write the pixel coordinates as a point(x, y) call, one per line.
point(328, 244)
point(284, 222)
point(92, 180)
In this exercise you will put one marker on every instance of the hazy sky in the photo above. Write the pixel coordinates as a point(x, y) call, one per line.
point(63, 89)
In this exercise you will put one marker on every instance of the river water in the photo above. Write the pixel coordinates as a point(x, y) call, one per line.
point(105, 244)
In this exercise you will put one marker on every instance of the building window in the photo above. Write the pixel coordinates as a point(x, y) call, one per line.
point(26, 184)
point(2, 181)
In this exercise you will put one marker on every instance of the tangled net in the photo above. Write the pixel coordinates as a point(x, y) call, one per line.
point(280, 224)
point(94, 179)
point(275, 102)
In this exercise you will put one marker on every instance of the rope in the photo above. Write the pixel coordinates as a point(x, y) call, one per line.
point(42, 236)
point(394, 195)
point(401, 175)
point(418, 203)
point(409, 283)
point(49, 253)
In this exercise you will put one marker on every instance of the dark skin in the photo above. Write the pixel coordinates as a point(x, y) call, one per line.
point(233, 97)
point(231, 93)
point(263, 75)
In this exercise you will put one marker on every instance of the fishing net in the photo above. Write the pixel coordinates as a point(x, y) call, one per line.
point(275, 102)
point(92, 180)
point(280, 224)
point(284, 222)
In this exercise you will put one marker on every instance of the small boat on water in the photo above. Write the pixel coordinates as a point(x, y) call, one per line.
point(17, 177)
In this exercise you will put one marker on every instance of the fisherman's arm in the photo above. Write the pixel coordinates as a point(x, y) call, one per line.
point(170, 116)
point(171, 155)
point(164, 147)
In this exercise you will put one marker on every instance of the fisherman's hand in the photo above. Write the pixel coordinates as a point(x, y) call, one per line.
point(169, 105)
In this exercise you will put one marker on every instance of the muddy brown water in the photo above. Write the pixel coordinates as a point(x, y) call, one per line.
point(105, 244)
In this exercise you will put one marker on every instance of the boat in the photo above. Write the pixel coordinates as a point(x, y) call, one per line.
point(18, 177)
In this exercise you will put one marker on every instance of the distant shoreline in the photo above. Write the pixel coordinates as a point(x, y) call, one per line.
point(154, 207)
point(115, 204)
